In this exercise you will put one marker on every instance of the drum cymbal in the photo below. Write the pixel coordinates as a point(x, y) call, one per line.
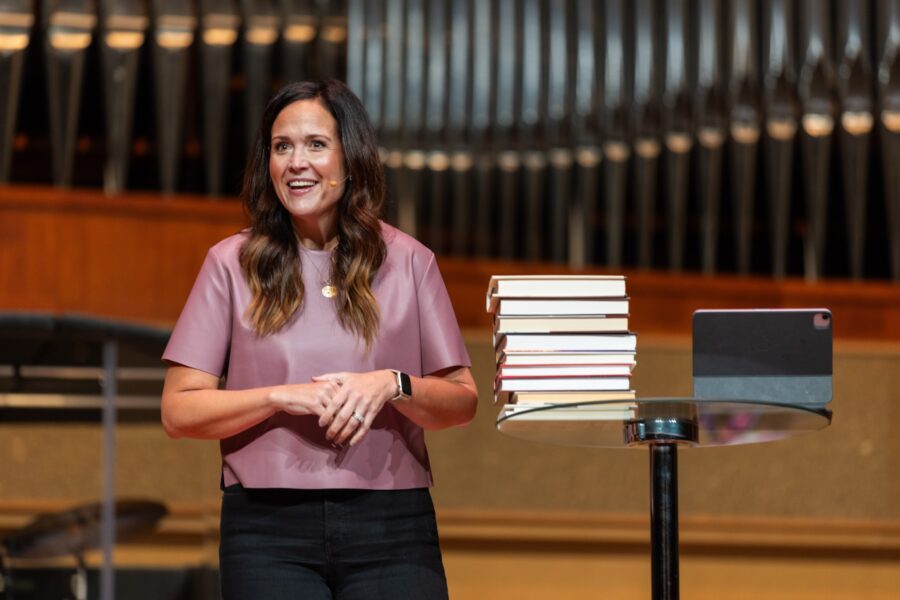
point(78, 529)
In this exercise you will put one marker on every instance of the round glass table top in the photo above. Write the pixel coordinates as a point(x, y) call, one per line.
point(642, 421)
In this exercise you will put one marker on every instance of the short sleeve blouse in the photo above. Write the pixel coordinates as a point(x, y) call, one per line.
point(418, 334)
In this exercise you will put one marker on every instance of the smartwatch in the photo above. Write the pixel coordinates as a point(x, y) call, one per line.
point(404, 386)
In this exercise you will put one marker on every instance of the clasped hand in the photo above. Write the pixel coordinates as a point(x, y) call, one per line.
point(346, 403)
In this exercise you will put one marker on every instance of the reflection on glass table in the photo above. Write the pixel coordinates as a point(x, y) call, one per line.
point(688, 421)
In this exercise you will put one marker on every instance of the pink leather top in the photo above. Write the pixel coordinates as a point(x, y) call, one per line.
point(418, 334)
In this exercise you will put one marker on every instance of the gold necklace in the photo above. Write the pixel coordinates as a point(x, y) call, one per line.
point(329, 290)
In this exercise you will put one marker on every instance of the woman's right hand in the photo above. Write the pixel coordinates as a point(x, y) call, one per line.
point(304, 398)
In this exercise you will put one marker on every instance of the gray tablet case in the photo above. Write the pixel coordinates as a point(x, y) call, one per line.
point(774, 355)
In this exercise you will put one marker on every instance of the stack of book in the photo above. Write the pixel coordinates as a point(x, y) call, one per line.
point(561, 340)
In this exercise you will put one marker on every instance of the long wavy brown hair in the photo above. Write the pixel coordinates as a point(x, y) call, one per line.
point(270, 256)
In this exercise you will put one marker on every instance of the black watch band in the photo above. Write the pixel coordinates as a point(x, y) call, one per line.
point(404, 385)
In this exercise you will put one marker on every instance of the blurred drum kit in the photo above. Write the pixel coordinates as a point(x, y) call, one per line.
point(681, 134)
point(77, 368)
point(70, 533)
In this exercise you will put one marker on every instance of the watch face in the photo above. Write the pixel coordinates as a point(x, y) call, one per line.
point(405, 384)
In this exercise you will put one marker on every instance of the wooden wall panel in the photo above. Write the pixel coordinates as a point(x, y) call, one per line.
point(28, 248)
point(132, 256)
point(136, 256)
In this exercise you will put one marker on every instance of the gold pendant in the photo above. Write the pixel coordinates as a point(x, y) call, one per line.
point(329, 291)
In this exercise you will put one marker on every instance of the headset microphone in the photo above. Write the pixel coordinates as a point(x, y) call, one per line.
point(335, 182)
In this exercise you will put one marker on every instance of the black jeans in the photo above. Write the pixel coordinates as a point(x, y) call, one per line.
point(329, 544)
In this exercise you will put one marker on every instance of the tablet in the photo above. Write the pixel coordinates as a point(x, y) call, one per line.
point(773, 355)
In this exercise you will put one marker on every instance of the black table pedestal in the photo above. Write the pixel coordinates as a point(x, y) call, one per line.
point(662, 428)
point(664, 521)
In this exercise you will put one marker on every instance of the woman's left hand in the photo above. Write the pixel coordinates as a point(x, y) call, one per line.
point(350, 412)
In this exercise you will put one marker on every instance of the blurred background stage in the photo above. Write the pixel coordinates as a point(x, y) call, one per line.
point(719, 153)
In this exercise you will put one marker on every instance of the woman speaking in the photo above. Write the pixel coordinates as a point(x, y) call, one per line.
point(339, 347)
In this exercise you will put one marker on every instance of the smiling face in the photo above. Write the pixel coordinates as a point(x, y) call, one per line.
point(306, 166)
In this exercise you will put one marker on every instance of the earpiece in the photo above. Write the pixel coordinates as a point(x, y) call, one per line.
point(335, 182)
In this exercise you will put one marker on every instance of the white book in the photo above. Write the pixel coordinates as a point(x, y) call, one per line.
point(562, 384)
point(554, 342)
point(589, 324)
point(616, 412)
point(556, 397)
point(565, 371)
point(554, 286)
point(560, 307)
point(518, 357)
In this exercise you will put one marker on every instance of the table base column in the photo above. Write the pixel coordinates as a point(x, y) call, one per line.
point(664, 521)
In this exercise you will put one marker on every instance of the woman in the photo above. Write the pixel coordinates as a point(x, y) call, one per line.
point(339, 346)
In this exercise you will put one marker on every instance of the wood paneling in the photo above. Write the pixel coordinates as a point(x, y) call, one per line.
point(132, 256)
point(136, 256)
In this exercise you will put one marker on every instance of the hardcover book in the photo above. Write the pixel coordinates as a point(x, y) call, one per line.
point(518, 357)
point(561, 307)
point(538, 397)
point(590, 342)
point(561, 384)
point(554, 286)
point(519, 324)
point(565, 371)
point(615, 412)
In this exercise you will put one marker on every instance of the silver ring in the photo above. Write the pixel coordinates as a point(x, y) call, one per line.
point(358, 416)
